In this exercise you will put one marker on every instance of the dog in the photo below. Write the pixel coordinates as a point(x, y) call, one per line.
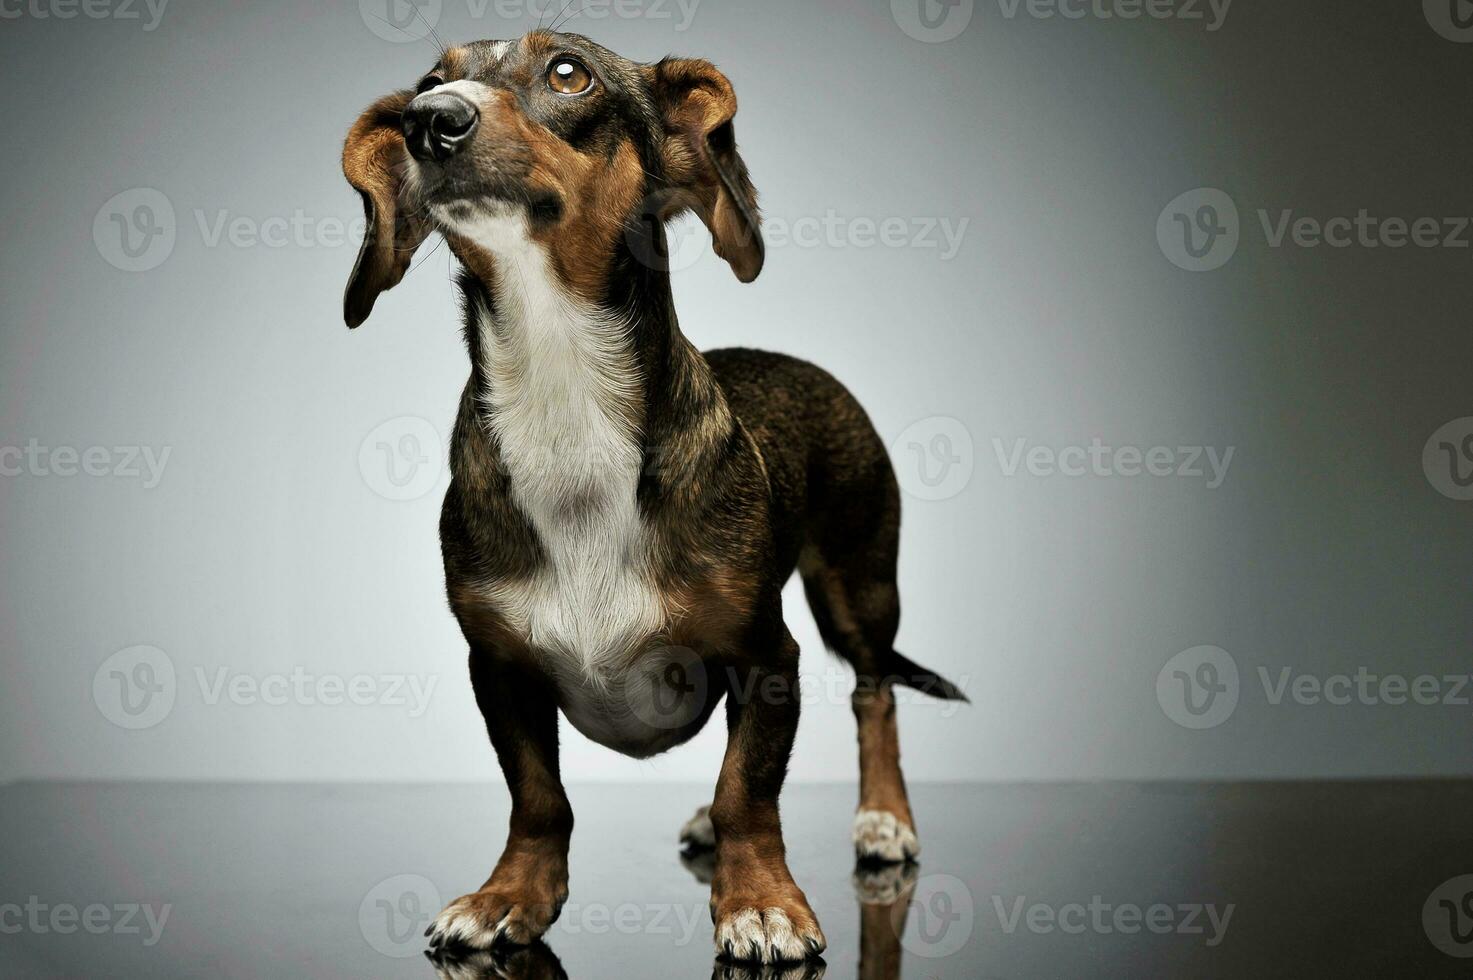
point(623, 510)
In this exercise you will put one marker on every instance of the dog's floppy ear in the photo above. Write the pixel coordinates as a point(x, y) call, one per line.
point(701, 159)
point(374, 159)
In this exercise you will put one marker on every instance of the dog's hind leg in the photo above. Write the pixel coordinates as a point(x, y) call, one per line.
point(857, 607)
point(849, 573)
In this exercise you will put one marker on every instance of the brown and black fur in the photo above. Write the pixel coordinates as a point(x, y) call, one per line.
point(754, 465)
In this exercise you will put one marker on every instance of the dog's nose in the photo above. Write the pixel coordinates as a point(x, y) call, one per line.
point(438, 124)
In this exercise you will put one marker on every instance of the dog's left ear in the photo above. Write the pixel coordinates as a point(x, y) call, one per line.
point(701, 159)
point(374, 159)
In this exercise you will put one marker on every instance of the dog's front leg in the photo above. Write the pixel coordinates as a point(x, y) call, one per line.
point(524, 894)
point(759, 911)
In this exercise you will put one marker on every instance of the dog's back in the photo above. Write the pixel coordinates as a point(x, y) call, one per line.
point(836, 504)
point(830, 476)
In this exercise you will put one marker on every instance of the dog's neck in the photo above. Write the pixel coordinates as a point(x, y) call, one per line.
point(582, 397)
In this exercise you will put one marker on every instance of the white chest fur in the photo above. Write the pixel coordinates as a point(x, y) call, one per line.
point(560, 375)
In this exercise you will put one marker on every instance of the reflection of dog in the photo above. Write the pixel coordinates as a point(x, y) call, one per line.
point(534, 962)
point(537, 962)
point(624, 511)
point(811, 970)
point(884, 904)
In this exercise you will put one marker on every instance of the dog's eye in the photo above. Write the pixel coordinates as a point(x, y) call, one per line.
point(429, 82)
point(568, 77)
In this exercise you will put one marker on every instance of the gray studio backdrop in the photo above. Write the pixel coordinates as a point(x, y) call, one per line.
point(1163, 308)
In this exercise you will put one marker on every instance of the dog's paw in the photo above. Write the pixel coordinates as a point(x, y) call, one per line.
point(882, 837)
point(884, 884)
point(492, 916)
point(769, 935)
point(698, 834)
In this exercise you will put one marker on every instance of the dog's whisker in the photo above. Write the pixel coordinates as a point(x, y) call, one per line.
point(552, 28)
point(439, 48)
point(430, 28)
point(571, 17)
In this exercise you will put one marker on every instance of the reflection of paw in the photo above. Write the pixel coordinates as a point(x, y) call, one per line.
point(881, 836)
point(482, 919)
point(535, 962)
point(698, 834)
point(701, 864)
point(769, 936)
point(809, 970)
point(885, 884)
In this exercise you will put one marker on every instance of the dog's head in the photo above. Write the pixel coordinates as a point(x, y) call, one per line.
point(574, 146)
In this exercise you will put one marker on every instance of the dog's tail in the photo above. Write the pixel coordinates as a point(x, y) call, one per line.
point(906, 672)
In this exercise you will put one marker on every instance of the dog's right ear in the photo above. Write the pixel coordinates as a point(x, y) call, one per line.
point(374, 160)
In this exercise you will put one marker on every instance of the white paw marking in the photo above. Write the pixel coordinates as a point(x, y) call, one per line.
point(460, 923)
point(698, 830)
point(463, 923)
point(879, 835)
point(767, 937)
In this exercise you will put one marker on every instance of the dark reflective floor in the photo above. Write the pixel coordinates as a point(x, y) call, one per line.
point(1110, 880)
